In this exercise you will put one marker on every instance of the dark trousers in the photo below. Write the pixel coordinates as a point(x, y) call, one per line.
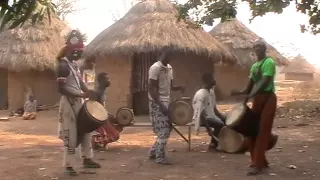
point(216, 124)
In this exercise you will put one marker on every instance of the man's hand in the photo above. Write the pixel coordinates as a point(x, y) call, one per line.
point(182, 88)
point(210, 132)
point(163, 109)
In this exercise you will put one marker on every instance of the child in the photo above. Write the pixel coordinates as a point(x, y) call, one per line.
point(30, 109)
point(109, 132)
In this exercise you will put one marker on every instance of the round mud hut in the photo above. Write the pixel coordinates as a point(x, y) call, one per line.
point(27, 63)
point(238, 39)
point(130, 46)
point(299, 69)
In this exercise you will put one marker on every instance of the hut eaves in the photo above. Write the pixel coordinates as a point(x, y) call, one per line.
point(32, 47)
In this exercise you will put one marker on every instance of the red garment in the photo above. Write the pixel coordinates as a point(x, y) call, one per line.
point(265, 105)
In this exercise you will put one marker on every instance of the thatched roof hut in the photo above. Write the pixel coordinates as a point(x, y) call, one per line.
point(299, 65)
point(239, 40)
point(150, 26)
point(32, 47)
point(27, 63)
point(129, 47)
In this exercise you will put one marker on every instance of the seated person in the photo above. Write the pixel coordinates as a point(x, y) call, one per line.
point(30, 109)
point(105, 134)
point(205, 110)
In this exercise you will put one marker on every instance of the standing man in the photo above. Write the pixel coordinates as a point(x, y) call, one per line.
point(205, 112)
point(73, 91)
point(160, 86)
point(262, 89)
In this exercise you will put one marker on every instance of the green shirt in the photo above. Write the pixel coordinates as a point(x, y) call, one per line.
point(268, 68)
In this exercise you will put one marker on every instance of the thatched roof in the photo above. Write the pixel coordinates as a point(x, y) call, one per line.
point(150, 26)
point(32, 47)
point(239, 40)
point(299, 65)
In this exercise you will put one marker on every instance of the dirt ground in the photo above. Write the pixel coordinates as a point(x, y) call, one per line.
point(30, 150)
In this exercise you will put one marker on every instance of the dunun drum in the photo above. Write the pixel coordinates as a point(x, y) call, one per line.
point(231, 141)
point(180, 111)
point(124, 116)
point(243, 120)
point(91, 116)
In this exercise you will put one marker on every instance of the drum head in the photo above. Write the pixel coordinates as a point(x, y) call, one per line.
point(230, 141)
point(124, 116)
point(180, 112)
point(96, 110)
point(235, 114)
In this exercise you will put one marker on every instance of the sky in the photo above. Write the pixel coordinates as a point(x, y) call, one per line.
point(280, 30)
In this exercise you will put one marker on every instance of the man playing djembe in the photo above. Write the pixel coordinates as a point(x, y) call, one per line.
point(205, 112)
point(73, 90)
point(262, 89)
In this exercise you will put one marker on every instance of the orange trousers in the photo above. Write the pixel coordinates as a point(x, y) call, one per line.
point(265, 105)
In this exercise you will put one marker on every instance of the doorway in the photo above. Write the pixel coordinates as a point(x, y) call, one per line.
point(139, 81)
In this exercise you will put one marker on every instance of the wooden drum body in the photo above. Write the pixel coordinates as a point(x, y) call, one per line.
point(91, 116)
point(124, 116)
point(243, 120)
point(181, 111)
point(231, 141)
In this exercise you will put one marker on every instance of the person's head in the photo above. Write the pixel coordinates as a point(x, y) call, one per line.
point(164, 58)
point(208, 80)
point(31, 98)
point(259, 49)
point(74, 45)
point(103, 80)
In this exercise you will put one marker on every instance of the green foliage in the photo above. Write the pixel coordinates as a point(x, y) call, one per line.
point(22, 11)
point(225, 9)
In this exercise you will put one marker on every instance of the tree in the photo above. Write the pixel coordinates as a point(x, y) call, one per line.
point(65, 7)
point(20, 11)
point(224, 9)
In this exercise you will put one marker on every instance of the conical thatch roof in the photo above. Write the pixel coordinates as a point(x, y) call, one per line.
point(299, 65)
point(150, 26)
point(239, 40)
point(32, 47)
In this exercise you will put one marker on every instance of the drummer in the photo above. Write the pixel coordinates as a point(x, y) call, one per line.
point(73, 90)
point(160, 86)
point(100, 138)
point(262, 89)
point(205, 110)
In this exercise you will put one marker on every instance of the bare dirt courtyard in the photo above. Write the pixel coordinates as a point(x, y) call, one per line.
point(30, 150)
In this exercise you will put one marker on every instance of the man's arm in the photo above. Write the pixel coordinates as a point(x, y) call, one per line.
point(83, 86)
point(63, 72)
point(176, 87)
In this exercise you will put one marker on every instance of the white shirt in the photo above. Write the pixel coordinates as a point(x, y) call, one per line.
point(164, 74)
point(203, 100)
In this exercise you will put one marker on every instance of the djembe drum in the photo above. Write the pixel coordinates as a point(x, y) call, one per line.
point(91, 116)
point(124, 116)
point(181, 111)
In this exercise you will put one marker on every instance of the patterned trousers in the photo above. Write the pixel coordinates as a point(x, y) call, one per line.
point(162, 128)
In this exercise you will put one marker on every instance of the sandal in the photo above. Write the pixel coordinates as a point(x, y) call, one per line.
point(70, 171)
point(88, 163)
